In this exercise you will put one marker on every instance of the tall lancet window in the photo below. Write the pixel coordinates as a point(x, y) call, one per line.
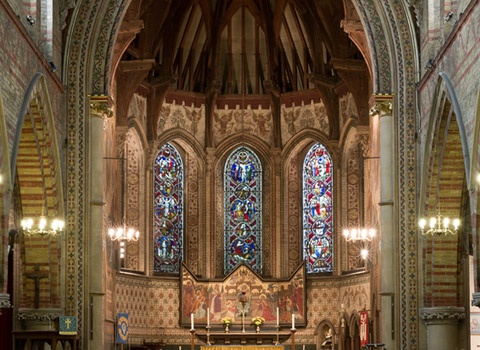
point(243, 210)
point(168, 210)
point(317, 210)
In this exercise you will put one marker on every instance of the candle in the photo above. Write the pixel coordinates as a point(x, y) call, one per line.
point(277, 316)
point(180, 347)
point(303, 346)
point(191, 320)
point(208, 317)
point(293, 321)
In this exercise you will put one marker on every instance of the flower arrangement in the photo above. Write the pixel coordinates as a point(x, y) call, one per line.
point(227, 321)
point(258, 321)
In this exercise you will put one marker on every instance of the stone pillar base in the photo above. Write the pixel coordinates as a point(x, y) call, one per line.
point(442, 326)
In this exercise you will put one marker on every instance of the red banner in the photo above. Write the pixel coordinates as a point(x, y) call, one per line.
point(363, 328)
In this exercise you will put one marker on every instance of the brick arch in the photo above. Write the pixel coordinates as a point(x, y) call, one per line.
point(5, 190)
point(445, 177)
point(35, 171)
point(35, 148)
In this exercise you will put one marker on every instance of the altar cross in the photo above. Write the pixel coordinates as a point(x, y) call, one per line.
point(37, 276)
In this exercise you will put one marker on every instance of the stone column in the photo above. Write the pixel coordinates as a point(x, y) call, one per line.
point(442, 326)
point(383, 108)
point(99, 112)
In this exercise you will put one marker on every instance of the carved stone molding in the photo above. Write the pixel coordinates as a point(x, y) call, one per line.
point(4, 301)
point(364, 140)
point(442, 315)
point(38, 319)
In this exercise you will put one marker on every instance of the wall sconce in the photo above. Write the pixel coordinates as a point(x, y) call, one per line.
point(42, 227)
point(359, 234)
point(439, 226)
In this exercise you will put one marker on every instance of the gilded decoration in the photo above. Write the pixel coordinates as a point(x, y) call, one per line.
point(222, 297)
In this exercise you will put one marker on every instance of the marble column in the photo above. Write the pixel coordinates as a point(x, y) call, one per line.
point(99, 112)
point(442, 326)
point(383, 108)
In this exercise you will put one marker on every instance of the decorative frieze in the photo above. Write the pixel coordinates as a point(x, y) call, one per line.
point(441, 315)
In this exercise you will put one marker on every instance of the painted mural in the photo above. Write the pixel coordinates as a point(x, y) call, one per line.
point(222, 297)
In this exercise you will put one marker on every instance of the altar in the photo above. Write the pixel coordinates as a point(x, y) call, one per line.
point(244, 347)
point(266, 340)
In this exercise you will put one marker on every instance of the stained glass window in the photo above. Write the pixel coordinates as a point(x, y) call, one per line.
point(243, 210)
point(317, 210)
point(168, 210)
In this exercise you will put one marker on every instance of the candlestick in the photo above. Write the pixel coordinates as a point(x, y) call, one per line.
point(208, 335)
point(191, 321)
point(192, 338)
point(208, 317)
point(277, 317)
point(278, 335)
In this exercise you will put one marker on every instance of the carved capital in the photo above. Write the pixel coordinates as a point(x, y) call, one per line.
point(4, 301)
point(100, 107)
point(442, 315)
point(382, 105)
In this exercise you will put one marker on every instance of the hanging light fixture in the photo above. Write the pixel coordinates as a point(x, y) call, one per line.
point(438, 225)
point(123, 233)
point(43, 226)
point(356, 234)
point(364, 254)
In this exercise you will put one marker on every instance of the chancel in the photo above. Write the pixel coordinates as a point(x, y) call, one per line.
point(239, 174)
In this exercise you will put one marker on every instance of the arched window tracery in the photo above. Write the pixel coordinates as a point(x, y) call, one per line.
point(168, 210)
point(318, 210)
point(243, 210)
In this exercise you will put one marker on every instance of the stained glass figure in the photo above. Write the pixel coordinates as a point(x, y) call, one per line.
point(243, 210)
point(168, 210)
point(317, 210)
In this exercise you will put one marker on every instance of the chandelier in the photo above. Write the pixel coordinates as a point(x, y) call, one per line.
point(43, 227)
point(359, 234)
point(123, 233)
point(439, 226)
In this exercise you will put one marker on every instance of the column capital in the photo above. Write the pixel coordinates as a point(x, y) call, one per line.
point(4, 301)
point(442, 315)
point(381, 104)
point(101, 106)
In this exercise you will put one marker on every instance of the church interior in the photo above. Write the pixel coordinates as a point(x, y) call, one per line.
point(266, 174)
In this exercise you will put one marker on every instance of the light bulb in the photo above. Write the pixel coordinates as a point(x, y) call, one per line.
point(29, 223)
point(433, 222)
point(372, 233)
point(345, 233)
point(446, 222)
point(364, 233)
point(354, 233)
point(422, 223)
point(456, 223)
point(130, 233)
point(364, 254)
point(137, 234)
point(111, 232)
point(42, 223)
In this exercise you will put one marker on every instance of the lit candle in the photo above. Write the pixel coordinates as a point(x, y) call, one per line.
point(277, 316)
point(208, 317)
point(293, 321)
point(191, 320)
